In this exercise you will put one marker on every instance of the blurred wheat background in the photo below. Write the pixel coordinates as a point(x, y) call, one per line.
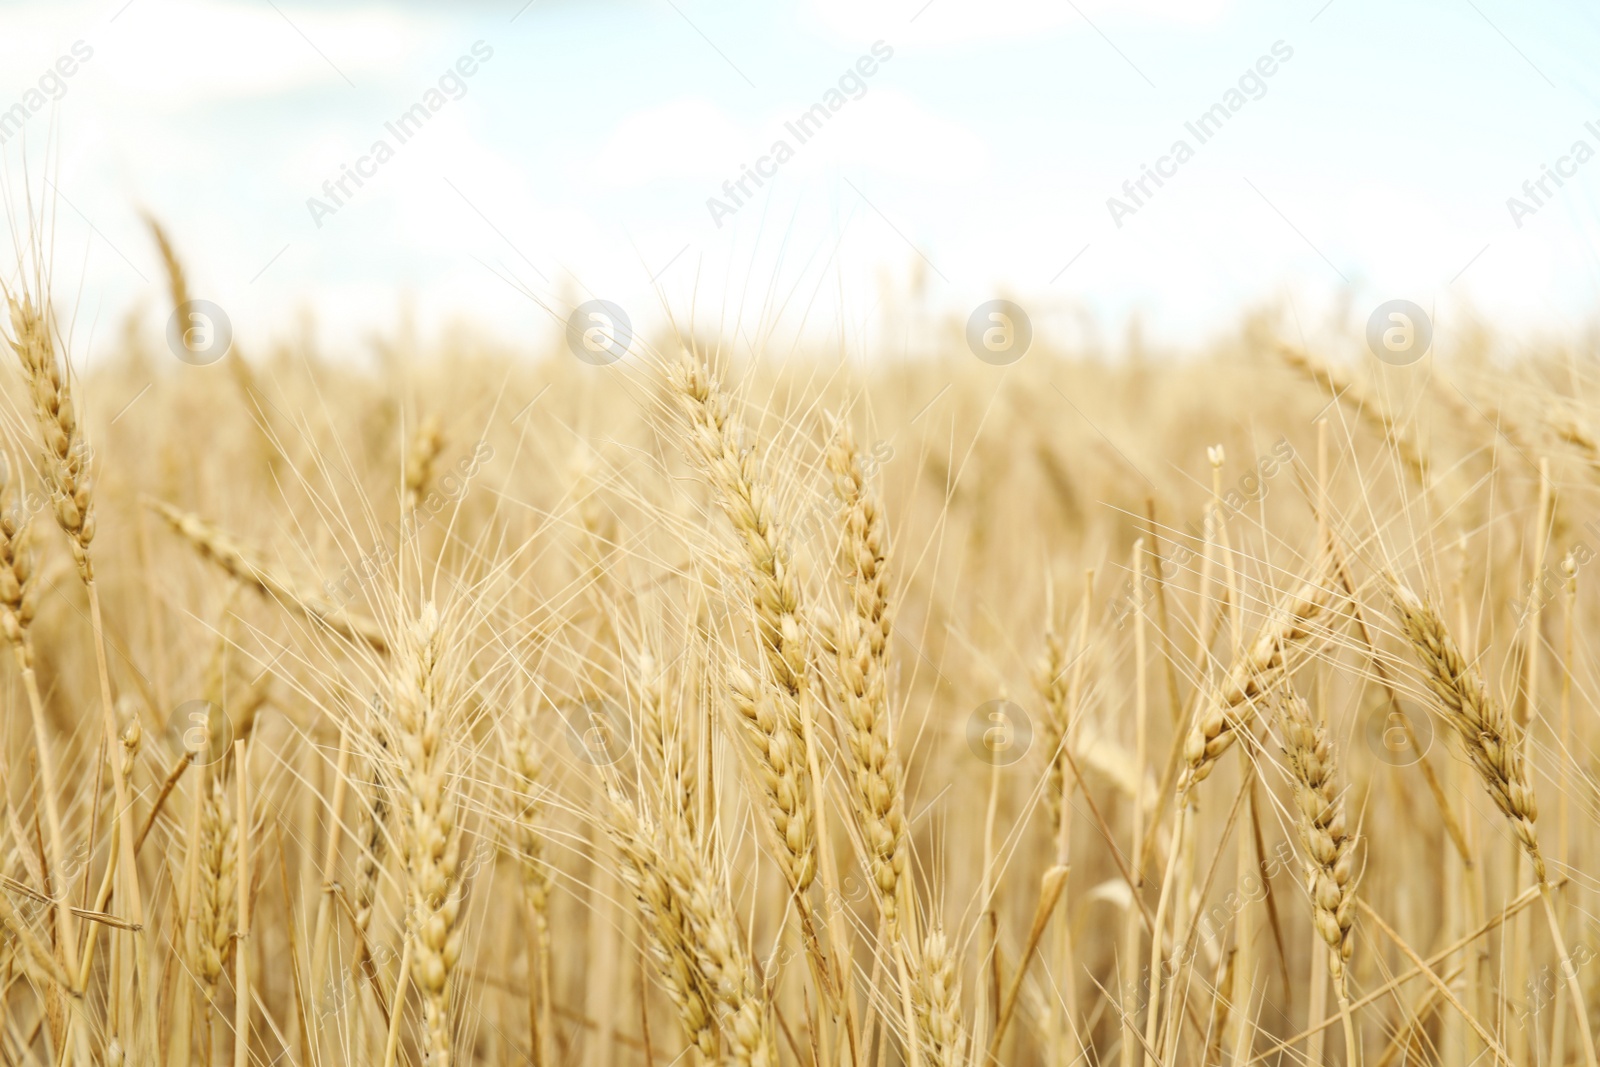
point(482, 706)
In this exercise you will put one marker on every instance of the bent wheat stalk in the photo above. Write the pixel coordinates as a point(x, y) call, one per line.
point(218, 547)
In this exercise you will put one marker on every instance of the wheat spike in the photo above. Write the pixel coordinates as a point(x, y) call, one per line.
point(773, 711)
point(66, 455)
point(937, 997)
point(535, 868)
point(694, 939)
point(1050, 679)
point(18, 599)
point(216, 895)
point(424, 701)
point(1490, 739)
point(861, 643)
point(1330, 845)
point(217, 546)
point(1232, 705)
point(420, 458)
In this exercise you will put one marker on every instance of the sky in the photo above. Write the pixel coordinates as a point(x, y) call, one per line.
point(957, 151)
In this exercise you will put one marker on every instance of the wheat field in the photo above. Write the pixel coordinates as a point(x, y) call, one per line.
point(446, 703)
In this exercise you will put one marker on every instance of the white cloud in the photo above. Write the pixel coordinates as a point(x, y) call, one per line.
point(684, 138)
point(884, 130)
point(888, 131)
point(961, 23)
point(188, 51)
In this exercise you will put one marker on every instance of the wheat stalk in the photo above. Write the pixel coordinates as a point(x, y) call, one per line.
point(536, 880)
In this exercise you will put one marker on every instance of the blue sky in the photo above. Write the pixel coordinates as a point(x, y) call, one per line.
point(975, 162)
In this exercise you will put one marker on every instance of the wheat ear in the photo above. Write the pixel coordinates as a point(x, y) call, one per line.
point(1494, 746)
point(861, 644)
point(1051, 679)
point(18, 600)
point(1232, 705)
point(1487, 734)
point(216, 897)
point(861, 650)
point(665, 747)
point(937, 996)
point(1330, 846)
point(66, 454)
point(373, 840)
point(374, 846)
point(217, 546)
point(420, 457)
point(177, 281)
point(423, 710)
point(694, 938)
point(65, 460)
point(774, 712)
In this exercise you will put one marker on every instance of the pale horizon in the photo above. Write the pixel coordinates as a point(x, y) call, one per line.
point(631, 153)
